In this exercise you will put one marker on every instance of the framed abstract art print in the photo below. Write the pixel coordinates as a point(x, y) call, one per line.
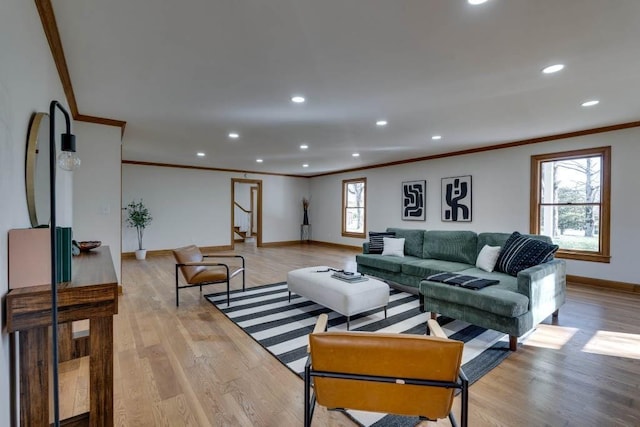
point(413, 200)
point(456, 199)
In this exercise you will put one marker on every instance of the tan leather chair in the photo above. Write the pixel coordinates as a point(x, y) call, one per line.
point(198, 272)
point(399, 374)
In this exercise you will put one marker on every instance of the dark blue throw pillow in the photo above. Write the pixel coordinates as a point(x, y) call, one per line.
point(376, 240)
point(520, 252)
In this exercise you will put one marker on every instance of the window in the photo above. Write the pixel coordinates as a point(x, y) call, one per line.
point(354, 200)
point(570, 201)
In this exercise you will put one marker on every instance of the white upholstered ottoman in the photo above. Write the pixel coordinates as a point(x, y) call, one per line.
point(317, 285)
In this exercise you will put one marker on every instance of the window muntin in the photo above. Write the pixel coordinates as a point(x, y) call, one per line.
point(354, 207)
point(570, 202)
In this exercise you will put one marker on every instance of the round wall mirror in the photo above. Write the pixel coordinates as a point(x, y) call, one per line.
point(37, 170)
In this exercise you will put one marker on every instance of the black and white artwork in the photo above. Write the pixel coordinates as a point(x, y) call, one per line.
point(456, 199)
point(413, 200)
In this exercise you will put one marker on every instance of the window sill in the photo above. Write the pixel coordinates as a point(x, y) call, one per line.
point(583, 256)
point(355, 235)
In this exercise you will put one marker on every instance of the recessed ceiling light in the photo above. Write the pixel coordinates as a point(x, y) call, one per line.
point(259, 160)
point(553, 68)
point(436, 137)
point(476, 2)
point(381, 123)
point(356, 155)
point(298, 99)
point(306, 165)
point(234, 135)
point(590, 103)
point(200, 154)
point(304, 146)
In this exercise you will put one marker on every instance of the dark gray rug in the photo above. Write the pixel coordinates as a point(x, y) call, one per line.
point(282, 328)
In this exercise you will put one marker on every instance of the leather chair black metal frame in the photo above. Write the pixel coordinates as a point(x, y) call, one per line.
point(198, 272)
point(462, 383)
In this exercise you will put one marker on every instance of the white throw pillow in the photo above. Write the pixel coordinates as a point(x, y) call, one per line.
point(393, 247)
point(487, 258)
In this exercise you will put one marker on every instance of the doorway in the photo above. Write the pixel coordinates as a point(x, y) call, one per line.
point(246, 210)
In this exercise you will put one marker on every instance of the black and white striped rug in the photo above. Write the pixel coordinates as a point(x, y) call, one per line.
point(282, 327)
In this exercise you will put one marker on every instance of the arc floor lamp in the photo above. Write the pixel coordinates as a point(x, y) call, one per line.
point(69, 161)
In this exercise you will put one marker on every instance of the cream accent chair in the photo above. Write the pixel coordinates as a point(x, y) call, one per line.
point(401, 374)
point(198, 272)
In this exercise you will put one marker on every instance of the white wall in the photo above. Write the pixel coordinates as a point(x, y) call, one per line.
point(28, 82)
point(191, 206)
point(96, 189)
point(243, 194)
point(500, 197)
point(282, 207)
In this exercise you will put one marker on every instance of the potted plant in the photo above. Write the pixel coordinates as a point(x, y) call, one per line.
point(138, 217)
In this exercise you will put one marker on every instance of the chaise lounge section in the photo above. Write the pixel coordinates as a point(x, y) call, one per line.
point(515, 305)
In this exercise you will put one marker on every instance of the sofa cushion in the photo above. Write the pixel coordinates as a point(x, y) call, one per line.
point(462, 280)
point(506, 281)
point(456, 246)
point(375, 241)
point(488, 257)
point(426, 267)
point(382, 262)
point(413, 240)
point(393, 246)
point(499, 239)
point(492, 239)
point(501, 299)
point(521, 252)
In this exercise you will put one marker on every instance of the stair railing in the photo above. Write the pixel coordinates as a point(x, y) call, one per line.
point(243, 220)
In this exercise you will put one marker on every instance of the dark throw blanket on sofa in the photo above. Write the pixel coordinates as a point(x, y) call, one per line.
point(462, 280)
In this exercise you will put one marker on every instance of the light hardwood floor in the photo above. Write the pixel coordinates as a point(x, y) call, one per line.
point(192, 366)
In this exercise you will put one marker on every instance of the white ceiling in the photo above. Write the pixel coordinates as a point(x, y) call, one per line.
point(183, 74)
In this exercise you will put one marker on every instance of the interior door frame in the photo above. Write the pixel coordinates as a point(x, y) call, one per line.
point(258, 184)
point(253, 192)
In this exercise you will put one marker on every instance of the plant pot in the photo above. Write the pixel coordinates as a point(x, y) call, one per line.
point(141, 254)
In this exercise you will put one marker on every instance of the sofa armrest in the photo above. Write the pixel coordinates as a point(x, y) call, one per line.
point(365, 248)
point(545, 285)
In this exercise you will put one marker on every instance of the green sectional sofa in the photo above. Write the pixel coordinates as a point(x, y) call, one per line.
point(513, 306)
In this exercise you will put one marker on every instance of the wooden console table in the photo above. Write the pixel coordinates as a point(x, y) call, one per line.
point(92, 294)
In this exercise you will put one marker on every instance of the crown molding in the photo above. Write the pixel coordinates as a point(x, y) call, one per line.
point(50, 27)
point(102, 121)
point(537, 140)
point(207, 168)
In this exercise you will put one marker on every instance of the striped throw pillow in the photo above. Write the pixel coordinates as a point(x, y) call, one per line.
point(376, 242)
point(520, 252)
